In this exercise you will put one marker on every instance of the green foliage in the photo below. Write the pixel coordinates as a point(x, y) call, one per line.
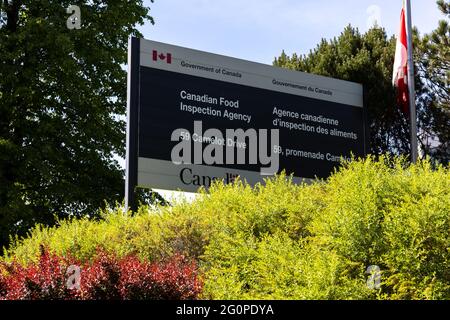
point(433, 62)
point(276, 267)
point(285, 241)
point(397, 217)
point(152, 233)
point(62, 93)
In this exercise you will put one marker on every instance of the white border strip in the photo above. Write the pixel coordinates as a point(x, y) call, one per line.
point(164, 174)
point(218, 67)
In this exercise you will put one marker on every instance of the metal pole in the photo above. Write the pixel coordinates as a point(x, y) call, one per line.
point(132, 123)
point(411, 85)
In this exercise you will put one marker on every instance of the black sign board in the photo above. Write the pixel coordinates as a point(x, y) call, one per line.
point(194, 117)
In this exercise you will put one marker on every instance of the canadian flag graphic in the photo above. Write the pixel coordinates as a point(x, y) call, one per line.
point(157, 56)
point(400, 74)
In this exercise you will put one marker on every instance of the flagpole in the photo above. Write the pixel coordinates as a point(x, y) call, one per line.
point(411, 85)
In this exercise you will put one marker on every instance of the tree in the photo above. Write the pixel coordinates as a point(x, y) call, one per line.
point(367, 59)
point(433, 59)
point(62, 95)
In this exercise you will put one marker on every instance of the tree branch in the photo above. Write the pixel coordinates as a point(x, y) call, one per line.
point(12, 13)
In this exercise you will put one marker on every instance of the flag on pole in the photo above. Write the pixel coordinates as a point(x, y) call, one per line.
point(403, 75)
point(400, 74)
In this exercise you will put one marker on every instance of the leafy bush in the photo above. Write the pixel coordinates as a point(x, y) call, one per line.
point(279, 240)
point(320, 239)
point(152, 235)
point(106, 278)
point(395, 216)
point(43, 280)
point(276, 267)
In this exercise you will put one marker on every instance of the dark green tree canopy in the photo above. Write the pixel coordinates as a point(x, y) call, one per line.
point(433, 59)
point(62, 101)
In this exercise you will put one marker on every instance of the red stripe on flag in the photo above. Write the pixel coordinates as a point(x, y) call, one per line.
point(400, 74)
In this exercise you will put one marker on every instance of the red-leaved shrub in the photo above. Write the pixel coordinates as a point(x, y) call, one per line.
point(43, 280)
point(107, 277)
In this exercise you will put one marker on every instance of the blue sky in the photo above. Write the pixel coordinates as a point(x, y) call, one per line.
point(258, 30)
